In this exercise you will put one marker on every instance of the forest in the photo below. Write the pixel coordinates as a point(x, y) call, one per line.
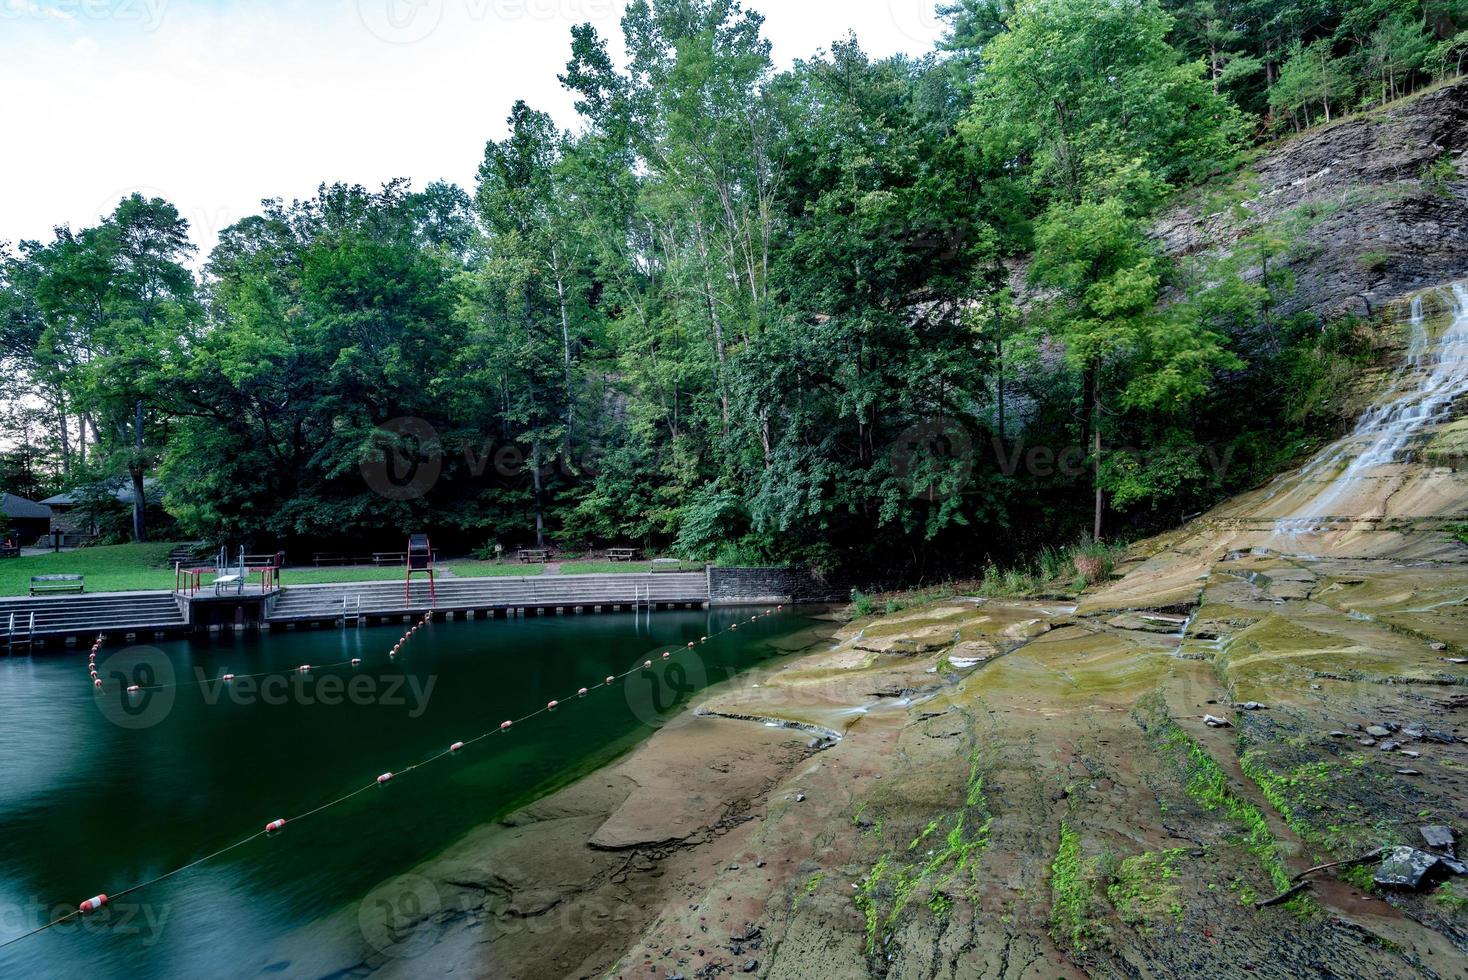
point(904, 311)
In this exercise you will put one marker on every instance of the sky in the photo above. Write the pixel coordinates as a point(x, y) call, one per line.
point(216, 104)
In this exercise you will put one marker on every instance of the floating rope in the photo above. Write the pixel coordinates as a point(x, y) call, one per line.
point(98, 902)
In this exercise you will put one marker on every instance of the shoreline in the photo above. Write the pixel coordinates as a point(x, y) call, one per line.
point(426, 921)
point(1022, 788)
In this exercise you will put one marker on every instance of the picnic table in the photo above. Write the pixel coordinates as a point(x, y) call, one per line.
point(56, 583)
point(534, 555)
point(621, 554)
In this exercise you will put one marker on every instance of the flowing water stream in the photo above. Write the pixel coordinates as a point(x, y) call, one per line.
point(1354, 476)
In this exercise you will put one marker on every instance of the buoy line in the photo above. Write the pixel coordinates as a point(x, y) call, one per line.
point(100, 901)
point(228, 678)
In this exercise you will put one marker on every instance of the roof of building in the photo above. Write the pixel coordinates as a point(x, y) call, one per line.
point(21, 509)
point(123, 492)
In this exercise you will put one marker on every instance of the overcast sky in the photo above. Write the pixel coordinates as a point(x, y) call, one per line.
point(215, 104)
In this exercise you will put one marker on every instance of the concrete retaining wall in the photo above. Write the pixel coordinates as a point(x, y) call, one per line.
point(747, 586)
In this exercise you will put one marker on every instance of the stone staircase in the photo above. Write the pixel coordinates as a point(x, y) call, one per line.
point(114, 613)
point(305, 603)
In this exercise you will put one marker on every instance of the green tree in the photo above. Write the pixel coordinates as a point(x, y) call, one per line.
point(1083, 91)
point(1130, 353)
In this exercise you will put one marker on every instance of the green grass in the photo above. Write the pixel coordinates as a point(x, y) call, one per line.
point(1209, 787)
point(489, 569)
point(1072, 892)
point(1144, 889)
point(608, 567)
point(108, 568)
point(948, 862)
point(140, 567)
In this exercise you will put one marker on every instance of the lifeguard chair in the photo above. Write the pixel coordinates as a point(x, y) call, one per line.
point(420, 559)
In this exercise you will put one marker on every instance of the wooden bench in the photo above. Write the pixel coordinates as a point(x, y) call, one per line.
point(41, 584)
point(621, 554)
point(534, 555)
point(389, 558)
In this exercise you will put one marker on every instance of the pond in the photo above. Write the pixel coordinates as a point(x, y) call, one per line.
point(101, 792)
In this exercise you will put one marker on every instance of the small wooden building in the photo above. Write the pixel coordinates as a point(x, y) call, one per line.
point(24, 520)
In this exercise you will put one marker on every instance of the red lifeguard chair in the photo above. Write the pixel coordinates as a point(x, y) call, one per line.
point(420, 559)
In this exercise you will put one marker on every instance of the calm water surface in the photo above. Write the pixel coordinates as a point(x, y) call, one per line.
point(97, 795)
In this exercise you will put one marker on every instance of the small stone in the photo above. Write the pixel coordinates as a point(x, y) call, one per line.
point(1380, 731)
point(1439, 837)
point(1404, 866)
point(733, 867)
point(1214, 722)
point(1314, 687)
point(1410, 754)
point(1438, 646)
point(759, 864)
point(751, 966)
point(1408, 772)
point(1252, 706)
point(1389, 746)
point(1354, 726)
point(1456, 660)
point(1337, 734)
point(799, 797)
point(1367, 741)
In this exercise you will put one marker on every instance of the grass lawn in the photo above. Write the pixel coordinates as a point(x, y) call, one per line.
point(108, 568)
point(606, 567)
point(350, 573)
point(138, 567)
point(488, 569)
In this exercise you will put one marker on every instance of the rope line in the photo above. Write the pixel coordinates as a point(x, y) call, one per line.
point(502, 729)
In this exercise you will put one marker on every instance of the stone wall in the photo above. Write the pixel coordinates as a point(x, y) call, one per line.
point(752, 586)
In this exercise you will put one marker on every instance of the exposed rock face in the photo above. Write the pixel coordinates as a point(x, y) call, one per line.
point(1369, 228)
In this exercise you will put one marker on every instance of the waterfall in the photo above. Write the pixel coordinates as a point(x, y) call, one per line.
point(1434, 376)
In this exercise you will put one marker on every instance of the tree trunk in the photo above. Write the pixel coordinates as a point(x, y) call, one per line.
point(135, 469)
point(65, 437)
point(566, 346)
point(1096, 452)
point(539, 497)
point(999, 384)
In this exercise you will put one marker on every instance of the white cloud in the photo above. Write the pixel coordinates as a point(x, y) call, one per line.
point(217, 105)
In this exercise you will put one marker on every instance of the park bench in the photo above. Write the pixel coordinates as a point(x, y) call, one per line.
point(389, 557)
point(41, 584)
point(534, 555)
point(621, 554)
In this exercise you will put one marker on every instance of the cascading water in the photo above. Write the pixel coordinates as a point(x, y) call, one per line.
point(1434, 376)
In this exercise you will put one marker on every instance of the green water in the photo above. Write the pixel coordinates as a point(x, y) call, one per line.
point(98, 793)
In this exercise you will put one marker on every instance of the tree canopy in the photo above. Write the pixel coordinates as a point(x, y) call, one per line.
point(904, 309)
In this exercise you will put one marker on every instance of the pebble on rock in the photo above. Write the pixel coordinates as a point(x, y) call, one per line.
point(1214, 722)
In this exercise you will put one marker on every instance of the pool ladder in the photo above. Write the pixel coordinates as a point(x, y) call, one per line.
point(352, 614)
point(13, 637)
